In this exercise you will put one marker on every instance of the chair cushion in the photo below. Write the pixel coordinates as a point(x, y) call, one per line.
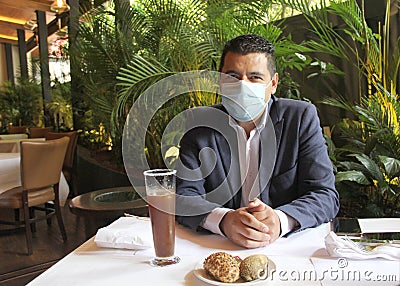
point(12, 199)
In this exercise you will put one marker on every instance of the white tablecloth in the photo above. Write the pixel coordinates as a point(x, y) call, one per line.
point(300, 260)
point(13, 136)
point(10, 176)
point(13, 145)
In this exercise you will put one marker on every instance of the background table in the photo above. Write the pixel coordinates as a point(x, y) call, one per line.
point(10, 176)
point(101, 207)
point(298, 260)
point(13, 145)
point(13, 136)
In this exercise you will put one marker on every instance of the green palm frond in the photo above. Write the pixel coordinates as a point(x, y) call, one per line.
point(135, 79)
point(341, 103)
point(305, 8)
point(353, 17)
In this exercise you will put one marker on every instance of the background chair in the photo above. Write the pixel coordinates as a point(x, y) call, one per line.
point(16, 129)
point(39, 132)
point(41, 164)
point(68, 165)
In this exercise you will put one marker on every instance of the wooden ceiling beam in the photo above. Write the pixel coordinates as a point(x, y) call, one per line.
point(10, 25)
point(14, 14)
point(23, 4)
point(46, 2)
point(8, 41)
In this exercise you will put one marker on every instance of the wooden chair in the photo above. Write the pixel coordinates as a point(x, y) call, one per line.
point(16, 129)
point(41, 164)
point(68, 165)
point(39, 132)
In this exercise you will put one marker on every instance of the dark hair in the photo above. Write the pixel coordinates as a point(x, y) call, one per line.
point(247, 44)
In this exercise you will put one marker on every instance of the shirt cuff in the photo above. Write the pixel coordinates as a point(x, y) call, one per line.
point(287, 222)
point(213, 220)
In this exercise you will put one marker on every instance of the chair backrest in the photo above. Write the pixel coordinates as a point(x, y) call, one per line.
point(41, 162)
point(39, 132)
point(70, 154)
point(17, 129)
point(73, 139)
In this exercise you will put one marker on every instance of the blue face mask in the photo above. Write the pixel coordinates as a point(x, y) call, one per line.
point(244, 100)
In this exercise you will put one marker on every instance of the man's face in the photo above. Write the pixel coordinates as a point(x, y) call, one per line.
point(251, 68)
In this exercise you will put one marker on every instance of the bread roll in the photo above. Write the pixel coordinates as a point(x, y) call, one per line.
point(253, 267)
point(222, 266)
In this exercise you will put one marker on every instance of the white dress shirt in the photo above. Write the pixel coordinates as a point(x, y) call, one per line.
point(248, 161)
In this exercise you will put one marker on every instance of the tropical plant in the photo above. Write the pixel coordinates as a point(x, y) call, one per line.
point(105, 44)
point(356, 42)
point(179, 36)
point(367, 160)
point(21, 103)
point(368, 164)
point(60, 106)
point(123, 49)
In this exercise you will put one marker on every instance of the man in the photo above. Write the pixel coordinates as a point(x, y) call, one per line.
point(276, 188)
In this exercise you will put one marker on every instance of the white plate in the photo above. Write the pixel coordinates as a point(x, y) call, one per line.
point(201, 273)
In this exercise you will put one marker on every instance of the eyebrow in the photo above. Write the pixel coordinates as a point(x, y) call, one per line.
point(256, 73)
point(250, 73)
point(231, 71)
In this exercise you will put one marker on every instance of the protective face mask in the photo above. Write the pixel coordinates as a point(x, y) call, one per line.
point(244, 100)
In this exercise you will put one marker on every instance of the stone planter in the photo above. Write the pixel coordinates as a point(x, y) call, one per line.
point(91, 175)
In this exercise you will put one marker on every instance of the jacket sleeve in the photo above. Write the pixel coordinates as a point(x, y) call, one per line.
point(317, 200)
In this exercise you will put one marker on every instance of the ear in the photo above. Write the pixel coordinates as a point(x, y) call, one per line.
point(274, 85)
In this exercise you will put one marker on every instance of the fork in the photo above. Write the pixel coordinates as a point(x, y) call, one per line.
point(378, 252)
point(355, 244)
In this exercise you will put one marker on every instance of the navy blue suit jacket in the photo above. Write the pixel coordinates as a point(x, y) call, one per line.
point(295, 172)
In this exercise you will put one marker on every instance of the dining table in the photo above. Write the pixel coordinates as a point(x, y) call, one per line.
point(299, 259)
point(10, 175)
point(13, 136)
point(12, 145)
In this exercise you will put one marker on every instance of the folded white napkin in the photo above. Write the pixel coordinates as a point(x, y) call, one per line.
point(126, 232)
point(341, 247)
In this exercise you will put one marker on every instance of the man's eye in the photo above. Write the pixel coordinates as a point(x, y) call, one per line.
point(230, 78)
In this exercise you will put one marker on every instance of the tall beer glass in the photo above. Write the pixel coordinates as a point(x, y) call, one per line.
point(160, 194)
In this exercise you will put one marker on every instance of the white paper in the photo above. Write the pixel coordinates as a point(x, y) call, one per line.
point(379, 225)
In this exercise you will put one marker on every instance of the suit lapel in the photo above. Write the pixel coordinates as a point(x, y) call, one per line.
point(230, 162)
point(269, 147)
point(277, 120)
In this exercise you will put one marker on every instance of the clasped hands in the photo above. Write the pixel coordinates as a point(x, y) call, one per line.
point(256, 225)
